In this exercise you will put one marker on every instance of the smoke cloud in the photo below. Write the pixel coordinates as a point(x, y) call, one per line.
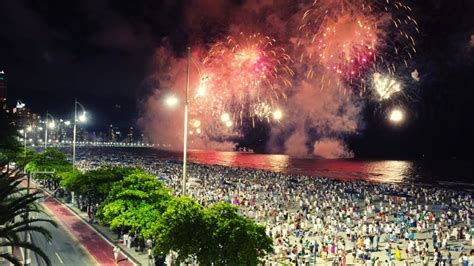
point(320, 110)
point(331, 149)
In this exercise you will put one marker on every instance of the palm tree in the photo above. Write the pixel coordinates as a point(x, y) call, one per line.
point(16, 203)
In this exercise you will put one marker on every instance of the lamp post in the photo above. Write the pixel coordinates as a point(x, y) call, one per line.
point(185, 142)
point(82, 118)
point(24, 131)
point(51, 125)
point(171, 101)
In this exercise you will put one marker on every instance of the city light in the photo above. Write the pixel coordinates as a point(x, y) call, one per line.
point(29, 129)
point(51, 125)
point(67, 123)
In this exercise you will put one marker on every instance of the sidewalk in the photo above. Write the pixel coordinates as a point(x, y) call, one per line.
point(138, 258)
point(97, 240)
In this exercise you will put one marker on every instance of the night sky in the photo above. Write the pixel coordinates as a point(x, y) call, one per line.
point(101, 53)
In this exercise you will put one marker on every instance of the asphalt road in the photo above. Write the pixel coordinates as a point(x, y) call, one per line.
point(62, 249)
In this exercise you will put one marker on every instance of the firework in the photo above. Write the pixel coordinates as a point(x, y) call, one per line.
point(349, 38)
point(385, 85)
point(246, 77)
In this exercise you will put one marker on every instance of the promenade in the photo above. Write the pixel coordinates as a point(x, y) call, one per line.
point(98, 243)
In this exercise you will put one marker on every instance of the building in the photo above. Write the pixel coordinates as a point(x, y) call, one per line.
point(26, 117)
point(3, 90)
point(114, 134)
point(144, 139)
point(130, 135)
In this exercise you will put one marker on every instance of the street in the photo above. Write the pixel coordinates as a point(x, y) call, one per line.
point(63, 249)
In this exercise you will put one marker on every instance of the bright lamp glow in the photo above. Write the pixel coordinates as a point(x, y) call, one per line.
point(29, 128)
point(171, 101)
point(277, 115)
point(82, 117)
point(396, 116)
point(51, 125)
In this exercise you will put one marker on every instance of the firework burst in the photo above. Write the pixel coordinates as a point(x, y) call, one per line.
point(246, 76)
point(347, 39)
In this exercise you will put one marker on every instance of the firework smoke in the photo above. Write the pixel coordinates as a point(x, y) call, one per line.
point(305, 73)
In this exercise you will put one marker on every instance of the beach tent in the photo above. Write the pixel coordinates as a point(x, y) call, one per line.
point(164, 178)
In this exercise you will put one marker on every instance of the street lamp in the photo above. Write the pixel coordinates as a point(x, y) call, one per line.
point(82, 118)
point(28, 129)
point(172, 101)
point(185, 146)
point(48, 125)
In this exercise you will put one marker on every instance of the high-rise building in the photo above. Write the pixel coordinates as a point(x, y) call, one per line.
point(144, 139)
point(130, 135)
point(3, 90)
point(26, 117)
point(112, 133)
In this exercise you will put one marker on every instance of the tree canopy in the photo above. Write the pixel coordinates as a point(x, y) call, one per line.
point(15, 202)
point(97, 182)
point(181, 228)
point(218, 234)
point(9, 145)
point(49, 160)
point(135, 202)
point(236, 240)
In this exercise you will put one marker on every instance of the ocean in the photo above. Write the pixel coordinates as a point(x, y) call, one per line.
point(450, 173)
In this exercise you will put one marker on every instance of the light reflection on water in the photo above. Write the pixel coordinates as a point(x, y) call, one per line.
point(385, 171)
point(378, 171)
point(445, 172)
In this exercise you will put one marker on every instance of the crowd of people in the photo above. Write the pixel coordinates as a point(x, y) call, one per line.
point(326, 221)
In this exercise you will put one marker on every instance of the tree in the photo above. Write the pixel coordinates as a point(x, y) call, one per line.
point(234, 239)
point(181, 228)
point(94, 185)
point(50, 160)
point(9, 146)
point(15, 203)
point(218, 235)
point(135, 203)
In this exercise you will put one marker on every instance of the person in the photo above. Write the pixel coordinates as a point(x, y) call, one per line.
point(150, 256)
point(129, 241)
point(116, 253)
point(398, 254)
point(125, 239)
point(449, 259)
point(464, 259)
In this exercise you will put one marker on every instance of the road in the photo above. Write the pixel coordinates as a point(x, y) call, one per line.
point(62, 249)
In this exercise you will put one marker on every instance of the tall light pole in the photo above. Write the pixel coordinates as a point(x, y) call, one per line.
point(24, 131)
point(46, 129)
point(82, 118)
point(185, 142)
